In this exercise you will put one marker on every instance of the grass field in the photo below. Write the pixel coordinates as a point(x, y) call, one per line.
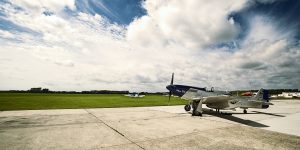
point(29, 101)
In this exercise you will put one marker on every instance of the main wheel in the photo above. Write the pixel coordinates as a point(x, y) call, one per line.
point(187, 107)
point(245, 111)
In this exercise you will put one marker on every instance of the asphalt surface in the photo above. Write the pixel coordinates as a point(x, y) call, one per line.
point(165, 127)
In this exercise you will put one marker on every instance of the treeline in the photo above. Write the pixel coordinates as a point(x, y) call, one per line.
point(68, 92)
point(45, 90)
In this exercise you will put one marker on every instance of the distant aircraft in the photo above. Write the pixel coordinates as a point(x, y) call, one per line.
point(216, 99)
point(134, 94)
point(247, 94)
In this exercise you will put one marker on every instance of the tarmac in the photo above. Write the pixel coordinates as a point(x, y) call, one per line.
point(164, 127)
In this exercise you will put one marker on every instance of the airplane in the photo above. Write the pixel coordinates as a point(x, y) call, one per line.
point(216, 99)
point(247, 94)
point(134, 94)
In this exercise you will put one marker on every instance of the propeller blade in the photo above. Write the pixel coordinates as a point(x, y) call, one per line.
point(172, 78)
point(170, 92)
point(169, 97)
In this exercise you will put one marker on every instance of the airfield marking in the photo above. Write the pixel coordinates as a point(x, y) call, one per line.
point(113, 129)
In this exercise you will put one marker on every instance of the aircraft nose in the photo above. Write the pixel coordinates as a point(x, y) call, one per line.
point(169, 87)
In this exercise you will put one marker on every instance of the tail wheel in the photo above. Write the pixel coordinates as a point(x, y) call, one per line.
point(187, 107)
point(245, 111)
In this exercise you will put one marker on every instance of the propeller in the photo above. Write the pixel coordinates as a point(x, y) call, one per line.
point(170, 92)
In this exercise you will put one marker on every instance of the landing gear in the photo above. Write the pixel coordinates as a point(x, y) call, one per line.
point(196, 113)
point(187, 107)
point(197, 108)
point(245, 111)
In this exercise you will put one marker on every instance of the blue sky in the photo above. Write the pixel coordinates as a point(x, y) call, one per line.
point(117, 11)
point(136, 45)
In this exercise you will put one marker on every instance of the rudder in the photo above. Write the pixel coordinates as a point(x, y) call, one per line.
point(265, 98)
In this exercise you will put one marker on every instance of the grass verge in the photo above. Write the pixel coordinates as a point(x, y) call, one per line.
point(31, 101)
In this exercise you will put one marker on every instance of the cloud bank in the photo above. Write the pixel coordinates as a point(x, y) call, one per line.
point(52, 44)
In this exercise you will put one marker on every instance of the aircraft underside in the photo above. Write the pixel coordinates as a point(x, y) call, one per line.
point(197, 109)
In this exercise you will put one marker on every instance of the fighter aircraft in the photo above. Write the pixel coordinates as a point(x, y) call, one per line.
point(216, 99)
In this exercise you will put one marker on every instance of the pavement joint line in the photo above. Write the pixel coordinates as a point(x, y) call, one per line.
point(146, 118)
point(119, 112)
point(46, 115)
point(114, 146)
point(114, 129)
point(53, 125)
point(178, 135)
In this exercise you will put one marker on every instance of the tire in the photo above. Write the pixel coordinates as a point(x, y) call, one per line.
point(245, 111)
point(187, 107)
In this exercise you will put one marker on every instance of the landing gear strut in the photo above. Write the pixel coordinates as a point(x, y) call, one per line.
point(197, 108)
point(187, 107)
point(245, 111)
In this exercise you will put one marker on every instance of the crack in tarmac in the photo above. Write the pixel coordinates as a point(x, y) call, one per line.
point(114, 129)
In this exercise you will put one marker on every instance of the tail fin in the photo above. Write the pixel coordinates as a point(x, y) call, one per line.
point(266, 95)
point(262, 95)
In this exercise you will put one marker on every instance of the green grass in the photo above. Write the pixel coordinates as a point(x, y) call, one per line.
point(30, 101)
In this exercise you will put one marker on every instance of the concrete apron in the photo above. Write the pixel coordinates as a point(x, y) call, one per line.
point(168, 127)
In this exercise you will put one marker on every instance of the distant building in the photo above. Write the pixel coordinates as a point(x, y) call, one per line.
point(289, 94)
point(38, 89)
point(45, 90)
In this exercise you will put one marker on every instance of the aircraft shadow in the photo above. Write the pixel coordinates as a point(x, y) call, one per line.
point(228, 116)
point(239, 120)
point(258, 112)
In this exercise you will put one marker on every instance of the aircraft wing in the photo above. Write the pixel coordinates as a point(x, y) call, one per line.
point(208, 97)
point(192, 94)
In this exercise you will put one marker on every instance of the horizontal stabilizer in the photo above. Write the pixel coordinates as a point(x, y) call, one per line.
point(262, 102)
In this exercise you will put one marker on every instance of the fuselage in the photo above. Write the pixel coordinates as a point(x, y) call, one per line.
point(232, 102)
point(219, 99)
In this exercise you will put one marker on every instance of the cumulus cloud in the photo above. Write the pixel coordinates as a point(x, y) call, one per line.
point(82, 51)
point(192, 24)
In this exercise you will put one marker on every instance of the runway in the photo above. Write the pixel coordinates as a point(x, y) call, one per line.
point(164, 127)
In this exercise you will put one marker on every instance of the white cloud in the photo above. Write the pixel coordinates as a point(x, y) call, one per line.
point(43, 5)
point(6, 34)
point(192, 23)
point(86, 52)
